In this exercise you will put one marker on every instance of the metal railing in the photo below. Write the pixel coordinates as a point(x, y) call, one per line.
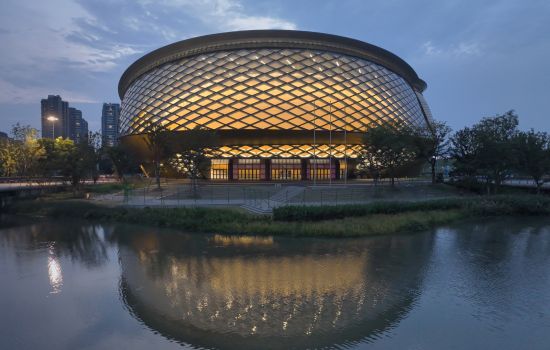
point(266, 196)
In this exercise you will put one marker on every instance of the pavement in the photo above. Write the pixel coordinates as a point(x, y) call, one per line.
point(263, 198)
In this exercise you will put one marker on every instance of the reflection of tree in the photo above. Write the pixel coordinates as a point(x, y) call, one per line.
point(230, 292)
point(83, 243)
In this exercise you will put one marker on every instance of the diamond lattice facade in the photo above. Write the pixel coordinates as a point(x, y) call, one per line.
point(271, 95)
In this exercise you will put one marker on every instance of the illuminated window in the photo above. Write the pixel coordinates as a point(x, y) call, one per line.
point(219, 169)
point(286, 169)
point(248, 169)
point(320, 169)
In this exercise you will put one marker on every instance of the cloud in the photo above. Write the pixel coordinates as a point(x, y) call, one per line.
point(40, 37)
point(13, 94)
point(460, 50)
point(67, 46)
point(253, 22)
point(220, 14)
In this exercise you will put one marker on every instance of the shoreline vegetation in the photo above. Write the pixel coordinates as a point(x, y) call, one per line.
point(379, 218)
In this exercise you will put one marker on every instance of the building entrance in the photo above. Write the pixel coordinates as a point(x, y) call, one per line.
point(286, 169)
point(321, 169)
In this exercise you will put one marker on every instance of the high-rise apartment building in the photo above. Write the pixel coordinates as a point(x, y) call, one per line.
point(55, 117)
point(83, 130)
point(60, 120)
point(78, 126)
point(110, 123)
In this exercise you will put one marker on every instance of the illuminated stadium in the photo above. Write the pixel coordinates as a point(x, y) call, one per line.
point(285, 105)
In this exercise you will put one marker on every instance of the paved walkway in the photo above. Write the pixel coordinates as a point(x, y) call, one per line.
point(261, 199)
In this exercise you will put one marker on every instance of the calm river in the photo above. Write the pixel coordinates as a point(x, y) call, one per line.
point(76, 285)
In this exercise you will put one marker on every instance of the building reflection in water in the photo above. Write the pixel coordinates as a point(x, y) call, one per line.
point(259, 292)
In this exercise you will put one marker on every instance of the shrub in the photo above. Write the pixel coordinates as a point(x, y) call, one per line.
point(314, 213)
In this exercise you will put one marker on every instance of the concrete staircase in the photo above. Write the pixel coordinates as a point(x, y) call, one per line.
point(265, 206)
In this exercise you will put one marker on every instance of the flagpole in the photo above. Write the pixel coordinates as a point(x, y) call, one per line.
point(330, 144)
point(314, 144)
point(345, 146)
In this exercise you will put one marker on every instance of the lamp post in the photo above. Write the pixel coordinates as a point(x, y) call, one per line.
point(53, 119)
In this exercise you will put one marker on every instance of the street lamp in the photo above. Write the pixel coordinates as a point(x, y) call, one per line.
point(53, 119)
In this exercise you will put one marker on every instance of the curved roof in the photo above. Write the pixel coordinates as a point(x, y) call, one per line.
point(269, 39)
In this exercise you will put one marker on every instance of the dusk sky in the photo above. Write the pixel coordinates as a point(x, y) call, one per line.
point(479, 58)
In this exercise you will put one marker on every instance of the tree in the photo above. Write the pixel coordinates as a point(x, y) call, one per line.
point(463, 151)
point(532, 153)
point(20, 153)
point(28, 148)
point(63, 158)
point(67, 160)
point(94, 144)
point(48, 164)
point(191, 158)
point(432, 143)
point(8, 157)
point(389, 147)
point(120, 159)
point(369, 164)
point(157, 142)
point(486, 149)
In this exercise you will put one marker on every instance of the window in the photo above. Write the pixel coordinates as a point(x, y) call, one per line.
point(286, 169)
point(219, 169)
point(319, 169)
point(249, 174)
point(249, 169)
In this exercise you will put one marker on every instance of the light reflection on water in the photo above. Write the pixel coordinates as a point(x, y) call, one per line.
point(109, 286)
point(54, 272)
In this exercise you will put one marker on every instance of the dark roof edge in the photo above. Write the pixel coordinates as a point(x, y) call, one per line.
point(269, 39)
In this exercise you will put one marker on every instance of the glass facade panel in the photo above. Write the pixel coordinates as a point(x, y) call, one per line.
point(276, 82)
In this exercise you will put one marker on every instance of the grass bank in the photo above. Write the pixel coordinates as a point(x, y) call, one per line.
point(329, 221)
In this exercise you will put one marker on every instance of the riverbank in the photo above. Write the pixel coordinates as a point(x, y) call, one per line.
point(326, 221)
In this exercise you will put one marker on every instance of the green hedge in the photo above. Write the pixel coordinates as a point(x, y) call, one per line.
point(489, 205)
point(329, 212)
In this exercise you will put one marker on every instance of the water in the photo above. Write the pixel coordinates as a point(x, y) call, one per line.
point(76, 285)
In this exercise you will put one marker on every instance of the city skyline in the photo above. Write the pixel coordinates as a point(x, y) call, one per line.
point(468, 53)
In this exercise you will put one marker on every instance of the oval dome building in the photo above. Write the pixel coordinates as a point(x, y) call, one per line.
point(284, 105)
